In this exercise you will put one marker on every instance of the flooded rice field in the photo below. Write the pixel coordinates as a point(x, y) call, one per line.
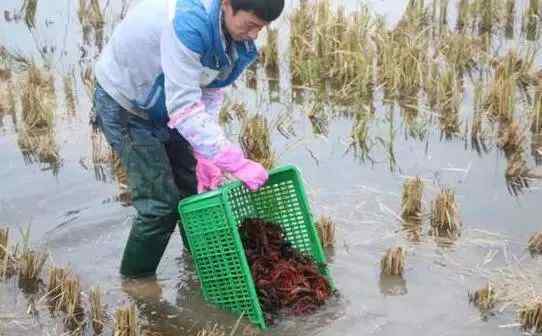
point(363, 97)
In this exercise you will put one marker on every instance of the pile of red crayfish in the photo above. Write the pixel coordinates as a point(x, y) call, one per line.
point(284, 278)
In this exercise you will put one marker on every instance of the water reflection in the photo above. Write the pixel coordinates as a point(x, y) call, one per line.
point(40, 146)
point(91, 19)
point(188, 315)
point(273, 86)
point(517, 185)
point(319, 119)
point(269, 54)
point(251, 78)
point(409, 112)
point(536, 148)
point(160, 317)
point(412, 228)
point(70, 97)
point(101, 155)
point(392, 285)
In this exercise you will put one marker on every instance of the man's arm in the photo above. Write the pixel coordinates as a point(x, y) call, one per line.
point(187, 113)
point(190, 109)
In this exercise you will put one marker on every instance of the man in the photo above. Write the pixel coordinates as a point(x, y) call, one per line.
point(158, 94)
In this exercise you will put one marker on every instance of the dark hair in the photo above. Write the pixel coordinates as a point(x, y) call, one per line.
point(267, 10)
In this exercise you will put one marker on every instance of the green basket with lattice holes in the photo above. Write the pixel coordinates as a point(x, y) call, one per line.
point(211, 222)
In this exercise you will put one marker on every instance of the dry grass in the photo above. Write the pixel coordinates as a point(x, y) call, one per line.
point(535, 243)
point(431, 74)
point(401, 55)
point(121, 175)
point(484, 298)
point(303, 64)
point(55, 291)
point(412, 229)
point(517, 166)
point(251, 76)
point(37, 99)
point(101, 152)
point(213, 331)
point(510, 72)
point(72, 304)
point(231, 110)
point(12, 98)
point(511, 138)
point(319, 118)
point(518, 286)
point(361, 142)
point(443, 12)
point(410, 112)
point(517, 174)
point(478, 133)
point(269, 54)
point(40, 146)
point(126, 322)
point(331, 49)
point(64, 294)
point(97, 21)
point(91, 18)
point(97, 310)
point(536, 148)
point(31, 264)
point(510, 18)
point(7, 261)
point(501, 101)
point(393, 263)
point(351, 74)
point(449, 96)
point(530, 317)
point(69, 94)
point(88, 79)
point(485, 25)
point(4, 238)
point(411, 200)
point(530, 20)
point(225, 115)
point(445, 220)
point(462, 15)
point(82, 11)
point(240, 111)
point(460, 51)
point(256, 141)
point(95, 15)
point(536, 125)
point(326, 231)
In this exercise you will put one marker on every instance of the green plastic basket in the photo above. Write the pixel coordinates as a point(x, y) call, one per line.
point(211, 221)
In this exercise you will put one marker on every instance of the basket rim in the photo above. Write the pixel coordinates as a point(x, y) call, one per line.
point(230, 185)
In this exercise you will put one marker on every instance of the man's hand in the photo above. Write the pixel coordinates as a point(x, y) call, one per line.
point(209, 172)
point(251, 173)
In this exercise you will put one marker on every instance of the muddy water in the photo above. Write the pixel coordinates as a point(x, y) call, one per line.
point(78, 219)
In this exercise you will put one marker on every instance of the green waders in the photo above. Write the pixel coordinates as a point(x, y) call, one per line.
point(161, 172)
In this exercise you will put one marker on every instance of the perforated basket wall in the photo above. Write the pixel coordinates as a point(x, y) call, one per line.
point(211, 223)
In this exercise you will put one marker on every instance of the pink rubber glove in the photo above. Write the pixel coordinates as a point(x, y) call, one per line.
point(232, 160)
point(208, 174)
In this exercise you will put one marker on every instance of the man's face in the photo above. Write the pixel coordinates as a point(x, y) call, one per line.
point(242, 25)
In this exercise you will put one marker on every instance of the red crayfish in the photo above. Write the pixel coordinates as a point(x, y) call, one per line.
point(284, 277)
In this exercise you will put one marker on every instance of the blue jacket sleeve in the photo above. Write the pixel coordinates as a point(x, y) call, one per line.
point(183, 74)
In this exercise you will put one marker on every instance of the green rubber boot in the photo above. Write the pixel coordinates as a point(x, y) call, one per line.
point(145, 247)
